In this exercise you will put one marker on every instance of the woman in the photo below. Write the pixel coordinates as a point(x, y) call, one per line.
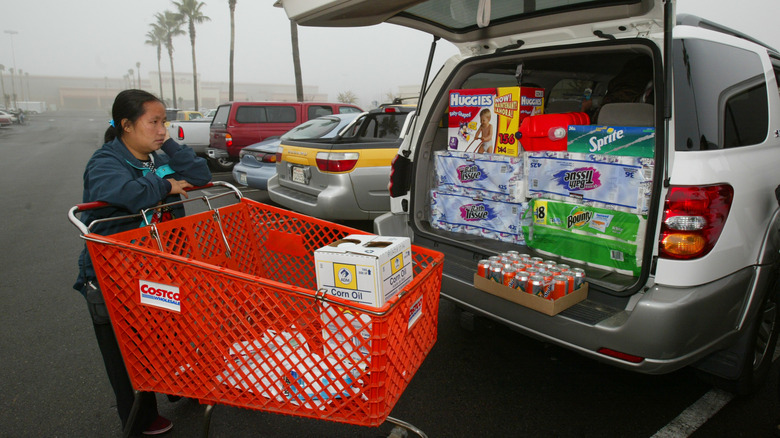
point(128, 173)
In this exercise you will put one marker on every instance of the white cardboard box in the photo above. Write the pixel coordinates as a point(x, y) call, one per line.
point(366, 269)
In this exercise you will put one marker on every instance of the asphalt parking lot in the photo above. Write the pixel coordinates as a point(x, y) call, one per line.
point(485, 382)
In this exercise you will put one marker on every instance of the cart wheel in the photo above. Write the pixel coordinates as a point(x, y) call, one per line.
point(402, 429)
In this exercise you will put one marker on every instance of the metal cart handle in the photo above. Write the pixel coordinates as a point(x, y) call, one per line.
point(86, 206)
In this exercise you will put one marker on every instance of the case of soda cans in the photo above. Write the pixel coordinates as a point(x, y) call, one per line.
point(542, 285)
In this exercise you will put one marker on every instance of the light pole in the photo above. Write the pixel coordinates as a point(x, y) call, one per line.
point(13, 55)
point(138, 69)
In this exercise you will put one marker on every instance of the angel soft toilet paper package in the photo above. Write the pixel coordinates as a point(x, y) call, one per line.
point(481, 217)
point(615, 181)
point(491, 176)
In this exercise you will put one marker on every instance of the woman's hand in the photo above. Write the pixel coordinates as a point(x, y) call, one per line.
point(177, 187)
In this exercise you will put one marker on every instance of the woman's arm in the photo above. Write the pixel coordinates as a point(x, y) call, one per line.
point(183, 160)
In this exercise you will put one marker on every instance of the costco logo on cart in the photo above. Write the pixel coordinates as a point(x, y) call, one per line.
point(160, 295)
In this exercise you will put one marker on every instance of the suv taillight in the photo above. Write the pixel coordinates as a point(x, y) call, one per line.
point(279, 155)
point(400, 176)
point(694, 217)
point(181, 133)
point(228, 140)
point(336, 161)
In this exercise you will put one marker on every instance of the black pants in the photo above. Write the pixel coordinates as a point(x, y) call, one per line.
point(117, 373)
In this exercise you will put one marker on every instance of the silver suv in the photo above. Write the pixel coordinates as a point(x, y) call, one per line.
point(695, 284)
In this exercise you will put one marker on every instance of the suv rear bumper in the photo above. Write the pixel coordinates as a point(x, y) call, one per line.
point(669, 328)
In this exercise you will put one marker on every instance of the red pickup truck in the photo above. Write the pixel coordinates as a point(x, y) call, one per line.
point(240, 124)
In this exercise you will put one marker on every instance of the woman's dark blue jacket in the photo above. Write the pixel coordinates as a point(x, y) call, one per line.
point(115, 176)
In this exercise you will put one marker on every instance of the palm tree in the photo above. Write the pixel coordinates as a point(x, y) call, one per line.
point(189, 11)
point(296, 61)
point(155, 37)
point(232, 5)
point(171, 26)
point(131, 75)
point(2, 83)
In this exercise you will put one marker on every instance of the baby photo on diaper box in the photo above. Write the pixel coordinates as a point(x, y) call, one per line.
point(485, 120)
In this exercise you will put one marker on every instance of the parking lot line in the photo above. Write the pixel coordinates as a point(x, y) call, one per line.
point(695, 415)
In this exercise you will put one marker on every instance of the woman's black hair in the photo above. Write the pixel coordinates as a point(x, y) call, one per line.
point(128, 104)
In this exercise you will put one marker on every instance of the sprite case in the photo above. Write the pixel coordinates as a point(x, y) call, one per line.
point(626, 141)
point(605, 238)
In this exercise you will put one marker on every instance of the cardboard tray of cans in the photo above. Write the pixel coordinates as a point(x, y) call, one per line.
point(540, 304)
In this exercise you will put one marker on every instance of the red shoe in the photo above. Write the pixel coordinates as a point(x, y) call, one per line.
point(159, 426)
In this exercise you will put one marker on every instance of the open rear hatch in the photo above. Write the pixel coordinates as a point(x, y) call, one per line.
point(562, 53)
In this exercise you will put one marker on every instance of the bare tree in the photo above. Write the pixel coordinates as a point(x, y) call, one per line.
point(347, 97)
point(189, 12)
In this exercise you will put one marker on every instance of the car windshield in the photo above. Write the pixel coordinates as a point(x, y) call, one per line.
point(312, 129)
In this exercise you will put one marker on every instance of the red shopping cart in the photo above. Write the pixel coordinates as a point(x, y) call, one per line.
point(221, 306)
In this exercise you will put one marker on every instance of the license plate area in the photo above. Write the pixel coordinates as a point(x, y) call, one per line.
point(298, 175)
point(242, 178)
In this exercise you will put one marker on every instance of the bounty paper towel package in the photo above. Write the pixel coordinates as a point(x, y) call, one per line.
point(612, 140)
point(487, 218)
point(485, 120)
point(607, 239)
point(620, 182)
point(490, 176)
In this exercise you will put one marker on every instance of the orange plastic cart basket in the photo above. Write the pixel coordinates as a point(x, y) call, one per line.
point(221, 306)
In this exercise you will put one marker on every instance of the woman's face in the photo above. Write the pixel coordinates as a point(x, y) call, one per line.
point(147, 134)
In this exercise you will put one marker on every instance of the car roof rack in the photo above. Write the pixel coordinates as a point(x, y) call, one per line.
point(693, 20)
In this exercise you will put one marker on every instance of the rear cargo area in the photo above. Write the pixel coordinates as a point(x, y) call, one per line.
point(549, 154)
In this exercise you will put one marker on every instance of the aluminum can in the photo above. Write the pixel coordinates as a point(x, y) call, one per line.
point(483, 268)
point(550, 262)
point(564, 267)
point(559, 287)
point(508, 275)
point(494, 258)
point(524, 256)
point(512, 253)
point(533, 270)
point(570, 281)
point(495, 272)
point(521, 281)
point(536, 260)
point(579, 277)
point(535, 285)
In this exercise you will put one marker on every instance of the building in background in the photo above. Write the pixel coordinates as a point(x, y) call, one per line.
point(74, 93)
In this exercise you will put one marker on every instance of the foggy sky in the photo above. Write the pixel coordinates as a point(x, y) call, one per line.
point(105, 38)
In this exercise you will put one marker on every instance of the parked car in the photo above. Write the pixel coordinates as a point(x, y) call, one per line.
point(345, 177)
point(188, 115)
point(194, 133)
point(703, 290)
point(5, 120)
point(258, 161)
point(239, 124)
point(11, 116)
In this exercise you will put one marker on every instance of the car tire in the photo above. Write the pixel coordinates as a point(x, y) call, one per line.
point(755, 350)
point(221, 164)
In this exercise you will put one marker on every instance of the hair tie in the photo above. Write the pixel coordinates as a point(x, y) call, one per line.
point(111, 122)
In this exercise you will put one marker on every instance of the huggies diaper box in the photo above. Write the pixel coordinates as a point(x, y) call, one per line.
point(485, 120)
point(366, 269)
